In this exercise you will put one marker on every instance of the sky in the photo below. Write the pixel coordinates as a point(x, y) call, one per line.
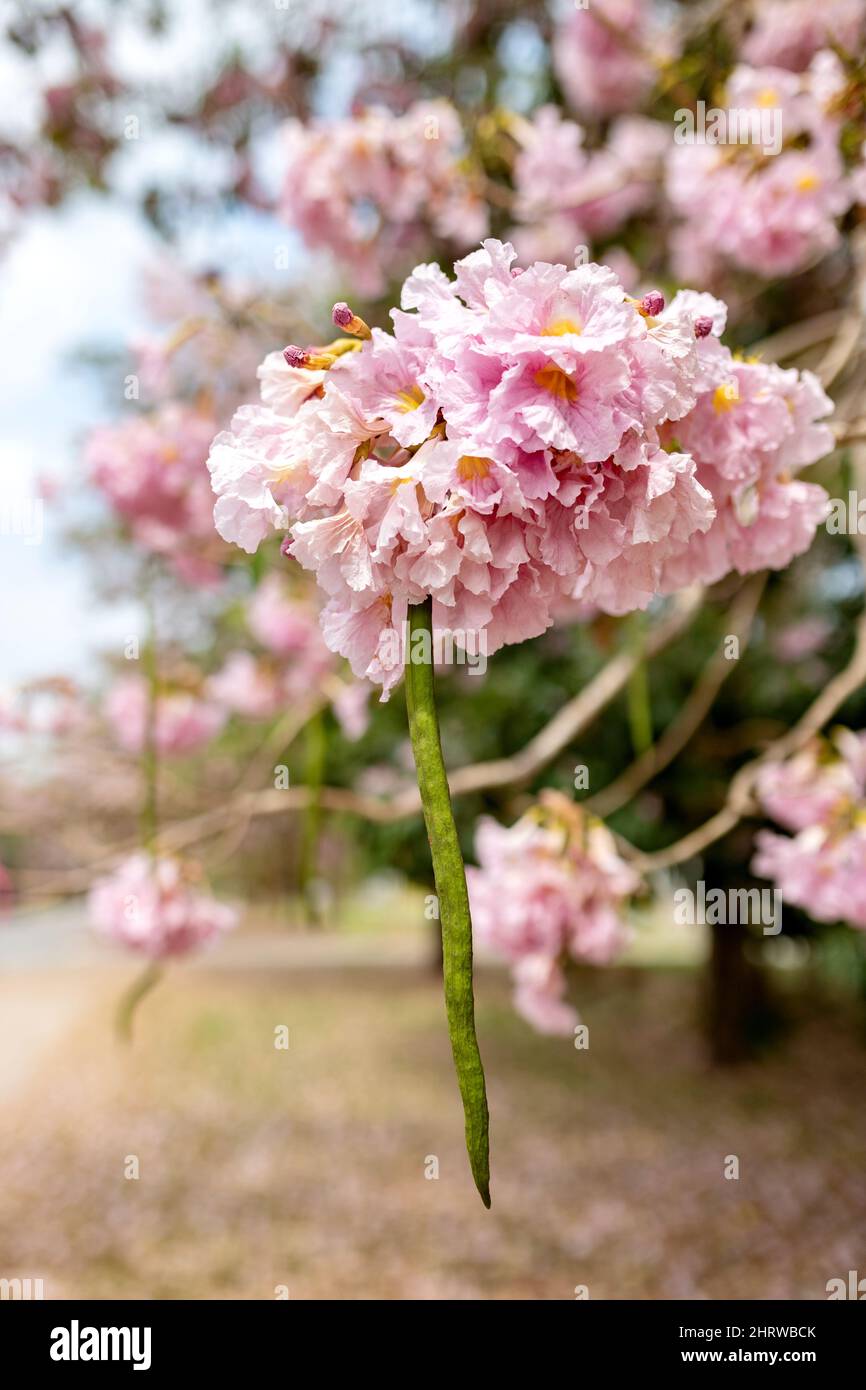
point(70, 280)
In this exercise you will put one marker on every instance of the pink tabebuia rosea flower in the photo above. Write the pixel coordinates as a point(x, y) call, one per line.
point(372, 188)
point(566, 195)
point(249, 687)
point(523, 437)
point(201, 341)
point(283, 624)
point(288, 627)
point(150, 467)
point(765, 186)
point(184, 719)
point(549, 890)
point(157, 907)
point(820, 796)
point(607, 54)
point(788, 33)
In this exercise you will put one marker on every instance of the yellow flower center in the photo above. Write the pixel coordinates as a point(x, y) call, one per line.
point(557, 382)
point(558, 327)
point(410, 399)
point(725, 397)
point(470, 467)
point(806, 182)
point(768, 97)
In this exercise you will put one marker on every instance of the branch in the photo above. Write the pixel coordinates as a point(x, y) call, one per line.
point(566, 725)
point(579, 712)
point(740, 800)
point(799, 337)
point(739, 620)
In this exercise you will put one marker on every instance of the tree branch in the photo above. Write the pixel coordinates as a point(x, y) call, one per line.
point(739, 620)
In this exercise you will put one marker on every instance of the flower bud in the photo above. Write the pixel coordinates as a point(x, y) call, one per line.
point(651, 304)
point(350, 322)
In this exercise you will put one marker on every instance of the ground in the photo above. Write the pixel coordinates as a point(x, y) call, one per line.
point(304, 1169)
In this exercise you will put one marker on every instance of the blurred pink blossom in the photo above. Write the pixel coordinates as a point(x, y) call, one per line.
point(606, 55)
point(351, 706)
point(769, 211)
point(153, 906)
point(370, 189)
point(820, 796)
point(802, 639)
point(788, 33)
point(151, 469)
point(552, 888)
point(567, 195)
point(282, 623)
point(184, 721)
point(211, 346)
point(7, 892)
point(249, 687)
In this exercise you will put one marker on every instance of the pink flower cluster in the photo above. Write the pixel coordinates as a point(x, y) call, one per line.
point(296, 664)
point(52, 706)
point(511, 445)
point(607, 54)
point(767, 206)
point(788, 33)
point(249, 686)
point(371, 189)
point(206, 342)
point(752, 430)
point(550, 889)
point(184, 719)
point(155, 906)
point(150, 468)
point(287, 627)
point(567, 195)
point(820, 796)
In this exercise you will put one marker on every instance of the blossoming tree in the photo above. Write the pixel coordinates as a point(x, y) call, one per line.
point(614, 263)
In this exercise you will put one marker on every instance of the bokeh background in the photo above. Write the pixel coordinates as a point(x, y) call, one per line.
point(156, 244)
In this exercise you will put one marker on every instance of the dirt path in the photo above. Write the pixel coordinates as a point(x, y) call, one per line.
point(54, 974)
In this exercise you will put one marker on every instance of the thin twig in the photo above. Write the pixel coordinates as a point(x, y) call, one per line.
point(738, 623)
point(740, 800)
point(565, 726)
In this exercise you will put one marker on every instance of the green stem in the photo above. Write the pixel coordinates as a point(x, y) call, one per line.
point(640, 718)
point(450, 878)
point(314, 773)
point(141, 986)
point(152, 973)
point(149, 755)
